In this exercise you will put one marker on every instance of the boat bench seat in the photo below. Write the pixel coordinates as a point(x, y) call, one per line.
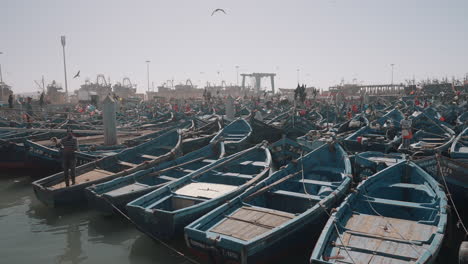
point(233, 174)
point(397, 203)
point(410, 186)
point(253, 163)
point(186, 170)
point(295, 194)
point(324, 168)
point(315, 182)
point(167, 178)
point(149, 157)
point(128, 164)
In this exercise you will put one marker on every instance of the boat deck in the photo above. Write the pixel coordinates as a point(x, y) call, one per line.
point(387, 161)
point(127, 189)
point(93, 175)
point(249, 222)
point(376, 240)
point(205, 190)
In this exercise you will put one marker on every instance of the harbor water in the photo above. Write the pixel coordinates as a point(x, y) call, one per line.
point(33, 233)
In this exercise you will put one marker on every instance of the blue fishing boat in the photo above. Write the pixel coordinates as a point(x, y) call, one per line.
point(200, 135)
point(371, 139)
point(278, 213)
point(432, 136)
point(118, 192)
point(167, 210)
point(296, 126)
point(451, 175)
point(394, 116)
point(397, 216)
point(462, 121)
point(370, 162)
point(52, 157)
point(286, 150)
point(262, 131)
point(235, 135)
point(52, 190)
point(459, 148)
point(353, 124)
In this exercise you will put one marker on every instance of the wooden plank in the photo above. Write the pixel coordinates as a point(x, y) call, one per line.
point(127, 189)
point(247, 223)
point(128, 164)
point(149, 157)
point(390, 227)
point(297, 195)
point(315, 182)
point(205, 190)
point(93, 175)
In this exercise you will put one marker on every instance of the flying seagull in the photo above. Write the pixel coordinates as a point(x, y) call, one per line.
point(77, 75)
point(218, 10)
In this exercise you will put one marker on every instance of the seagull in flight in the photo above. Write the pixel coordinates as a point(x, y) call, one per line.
point(77, 75)
point(218, 10)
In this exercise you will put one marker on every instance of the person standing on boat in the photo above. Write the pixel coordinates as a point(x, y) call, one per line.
point(29, 112)
point(41, 100)
point(68, 146)
point(10, 101)
point(406, 133)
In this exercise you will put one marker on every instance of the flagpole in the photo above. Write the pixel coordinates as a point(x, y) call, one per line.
point(62, 38)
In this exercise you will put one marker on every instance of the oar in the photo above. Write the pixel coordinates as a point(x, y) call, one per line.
point(159, 172)
point(266, 188)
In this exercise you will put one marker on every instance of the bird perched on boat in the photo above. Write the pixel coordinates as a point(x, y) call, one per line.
point(218, 10)
point(77, 75)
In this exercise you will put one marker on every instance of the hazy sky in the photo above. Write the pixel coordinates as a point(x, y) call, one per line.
point(326, 39)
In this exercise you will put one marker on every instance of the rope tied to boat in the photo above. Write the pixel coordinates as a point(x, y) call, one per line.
point(321, 205)
point(449, 195)
point(149, 234)
point(411, 244)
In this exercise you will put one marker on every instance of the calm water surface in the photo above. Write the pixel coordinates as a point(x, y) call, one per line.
point(33, 233)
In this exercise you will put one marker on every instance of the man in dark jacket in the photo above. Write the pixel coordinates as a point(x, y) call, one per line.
point(68, 146)
point(10, 101)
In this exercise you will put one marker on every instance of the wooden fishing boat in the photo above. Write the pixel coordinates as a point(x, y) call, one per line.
point(278, 213)
point(429, 143)
point(370, 162)
point(296, 126)
point(451, 174)
point(353, 124)
point(286, 150)
point(431, 136)
point(314, 116)
point(165, 211)
point(459, 148)
point(397, 216)
point(53, 192)
point(369, 139)
point(262, 131)
point(200, 135)
point(235, 135)
point(118, 192)
point(52, 157)
point(394, 116)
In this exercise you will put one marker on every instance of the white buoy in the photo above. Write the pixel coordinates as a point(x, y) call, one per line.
point(109, 119)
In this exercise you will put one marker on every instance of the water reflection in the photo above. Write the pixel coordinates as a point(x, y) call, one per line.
point(54, 216)
point(112, 230)
point(13, 191)
point(145, 250)
point(73, 251)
